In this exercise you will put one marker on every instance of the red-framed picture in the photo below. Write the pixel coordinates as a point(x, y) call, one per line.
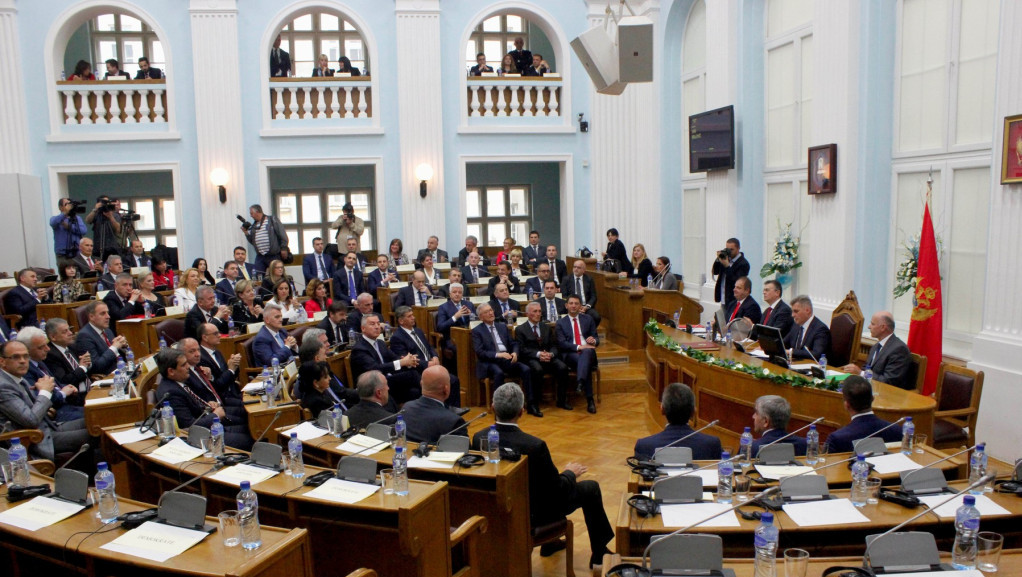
point(1011, 159)
point(823, 169)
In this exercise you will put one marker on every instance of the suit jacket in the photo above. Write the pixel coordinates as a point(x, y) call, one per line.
point(522, 58)
point(83, 266)
point(250, 268)
point(316, 72)
point(104, 360)
point(750, 309)
point(152, 73)
point(817, 340)
point(120, 310)
point(375, 281)
point(486, 348)
point(559, 307)
point(558, 271)
point(532, 256)
point(536, 284)
point(366, 412)
point(516, 286)
point(6, 330)
point(529, 346)
point(548, 489)
point(407, 297)
point(331, 336)
point(704, 447)
point(187, 408)
point(441, 256)
point(568, 288)
point(728, 276)
point(566, 332)
point(224, 291)
point(25, 410)
point(309, 266)
point(862, 426)
point(108, 280)
point(891, 364)
point(265, 348)
point(428, 419)
point(477, 71)
point(401, 344)
point(669, 282)
point(223, 378)
point(364, 358)
point(780, 317)
point(19, 302)
point(774, 434)
point(484, 260)
point(340, 277)
point(62, 370)
point(511, 304)
point(195, 318)
point(282, 66)
point(445, 317)
point(466, 273)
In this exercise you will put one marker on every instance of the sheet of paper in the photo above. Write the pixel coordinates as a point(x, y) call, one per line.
point(99, 401)
point(709, 476)
point(155, 541)
point(38, 513)
point(253, 386)
point(420, 463)
point(829, 512)
point(781, 471)
point(238, 473)
point(363, 445)
point(307, 431)
point(340, 491)
point(445, 457)
point(985, 505)
point(707, 496)
point(893, 463)
point(759, 354)
point(103, 383)
point(803, 366)
point(968, 573)
point(685, 515)
point(176, 451)
point(132, 435)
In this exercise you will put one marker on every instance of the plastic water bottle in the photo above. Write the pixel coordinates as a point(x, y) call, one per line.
point(400, 472)
point(530, 293)
point(108, 507)
point(493, 445)
point(677, 318)
point(99, 284)
point(963, 552)
point(163, 342)
point(230, 326)
point(63, 76)
point(400, 432)
point(725, 472)
point(765, 543)
point(248, 517)
point(271, 391)
point(119, 388)
point(166, 427)
point(18, 457)
point(294, 449)
point(216, 437)
point(65, 294)
point(351, 336)
point(908, 435)
point(978, 466)
point(649, 280)
point(302, 316)
point(745, 448)
point(130, 355)
point(121, 365)
point(812, 446)
point(860, 472)
point(173, 300)
point(42, 324)
point(335, 420)
point(148, 310)
point(867, 373)
point(823, 363)
point(727, 338)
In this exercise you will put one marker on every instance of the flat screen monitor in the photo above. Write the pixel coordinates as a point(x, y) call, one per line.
point(711, 140)
point(770, 341)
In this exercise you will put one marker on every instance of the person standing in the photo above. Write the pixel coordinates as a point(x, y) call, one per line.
point(280, 60)
point(348, 225)
point(268, 237)
point(68, 229)
point(728, 268)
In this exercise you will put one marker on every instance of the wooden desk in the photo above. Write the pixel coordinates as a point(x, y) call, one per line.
point(141, 334)
point(621, 308)
point(470, 394)
point(730, 396)
point(60, 311)
point(260, 415)
point(74, 544)
point(110, 413)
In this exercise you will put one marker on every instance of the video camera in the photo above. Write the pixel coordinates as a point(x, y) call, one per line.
point(77, 206)
point(724, 253)
point(244, 223)
point(130, 216)
point(108, 204)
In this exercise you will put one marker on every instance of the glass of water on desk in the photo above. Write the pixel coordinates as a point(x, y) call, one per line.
point(823, 453)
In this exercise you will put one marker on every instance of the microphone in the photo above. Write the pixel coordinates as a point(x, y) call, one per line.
point(268, 427)
point(790, 434)
point(806, 348)
point(147, 425)
point(948, 458)
point(423, 449)
point(81, 450)
point(215, 467)
point(676, 441)
point(353, 430)
point(875, 433)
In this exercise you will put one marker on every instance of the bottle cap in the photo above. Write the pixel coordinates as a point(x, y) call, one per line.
point(812, 427)
point(908, 419)
point(101, 466)
point(860, 458)
point(969, 500)
point(766, 517)
point(748, 429)
point(725, 455)
point(294, 435)
point(246, 485)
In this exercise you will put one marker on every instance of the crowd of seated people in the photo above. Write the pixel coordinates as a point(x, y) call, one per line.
point(518, 62)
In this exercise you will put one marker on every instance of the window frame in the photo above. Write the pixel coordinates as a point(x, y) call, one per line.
point(288, 36)
point(795, 36)
point(484, 219)
point(327, 232)
point(479, 37)
point(159, 231)
point(117, 35)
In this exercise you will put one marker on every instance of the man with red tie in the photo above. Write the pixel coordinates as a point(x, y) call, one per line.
point(96, 339)
point(577, 339)
point(777, 313)
point(744, 306)
point(84, 259)
point(200, 380)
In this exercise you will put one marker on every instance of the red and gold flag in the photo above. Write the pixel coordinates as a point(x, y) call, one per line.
point(926, 332)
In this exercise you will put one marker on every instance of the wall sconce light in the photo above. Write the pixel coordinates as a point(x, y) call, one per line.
point(423, 172)
point(219, 178)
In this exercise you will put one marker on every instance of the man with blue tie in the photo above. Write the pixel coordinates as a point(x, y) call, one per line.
point(317, 264)
point(553, 307)
point(506, 310)
point(225, 291)
point(408, 338)
point(809, 337)
point(577, 339)
point(24, 298)
point(272, 341)
point(38, 348)
point(381, 275)
point(415, 294)
point(223, 371)
point(456, 312)
point(348, 280)
point(497, 356)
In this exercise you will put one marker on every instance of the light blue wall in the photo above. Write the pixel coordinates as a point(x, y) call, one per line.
point(673, 128)
point(750, 133)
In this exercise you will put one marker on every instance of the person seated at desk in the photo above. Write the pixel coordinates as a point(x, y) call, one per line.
point(96, 339)
point(432, 275)
point(317, 265)
point(481, 66)
point(616, 250)
point(664, 279)
point(438, 254)
point(415, 294)
point(124, 301)
point(67, 367)
point(163, 275)
point(770, 421)
point(471, 246)
point(456, 312)
point(370, 354)
point(84, 260)
point(375, 404)
point(552, 495)
point(348, 281)
point(577, 339)
point(83, 71)
point(322, 69)
point(223, 372)
point(146, 290)
point(504, 277)
point(363, 307)
point(504, 307)
point(314, 388)
point(497, 355)
point(136, 256)
point(744, 306)
point(396, 255)
point(206, 311)
point(639, 267)
point(553, 307)
point(778, 313)
point(225, 288)
point(381, 275)
point(205, 277)
point(889, 359)
point(505, 251)
point(535, 252)
point(315, 348)
point(187, 285)
point(319, 299)
point(429, 417)
point(272, 341)
point(537, 342)
point(24, 298)
point(189, 408)
point(247, 308)
point(808, 338)
point(408, 338)
point(114, 267)
point(444, 291)
point(246, 270)
point(38, 349)
point(580, 284)
point(535, 284)
point(68, 289)
point(858, 396)
point(274, 274)
point(351, 245)
point(335, 324)
point(518, 268)
point(113, 70)
point(474, 270)
point(558, 270)
point(283, 297)
point(146, 72)
point(678, 404)
point(344, 66)
point(200, 380)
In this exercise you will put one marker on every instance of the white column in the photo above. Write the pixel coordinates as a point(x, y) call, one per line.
point(997, 351)
point(421, 120)
point(214, 27)
point(624, 145)
point(13, 129)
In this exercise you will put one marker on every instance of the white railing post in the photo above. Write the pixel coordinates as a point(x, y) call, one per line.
point(553, 101)
point(335, 104)
point(69, 108)
point(321, 92)
point(143, 107)
point(349, 101)
point(278, 108)
point(115, 106)
point(100, 108)
point(307, 105)
point(129, 107)
point(293, 108)
point(529, 110)
point(514, 101)
point(363, 102)
point(158, 109)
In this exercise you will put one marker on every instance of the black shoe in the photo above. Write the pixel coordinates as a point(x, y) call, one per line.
point(591, 405)
point(596, 559)
point(548, 549)
point(565, 405)
point(533, 410)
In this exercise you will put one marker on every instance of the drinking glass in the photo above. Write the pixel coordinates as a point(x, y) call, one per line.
point(919, 440)
point(230, 527)
point(742, 485)
point(872, 491)
point(796, 562)
point(387, 481)
point(989, 552)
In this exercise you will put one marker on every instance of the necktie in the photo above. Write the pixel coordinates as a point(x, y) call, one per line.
point(801, 335)
point(734, 313)
point(351, 285)
point(338, 335)
point(553, 311)
point(106, 339)
point(322, 267)
point(876, 353)
point(3, 337)
point(209, 385)
point(71, 359)
point(33, 293)
point(578, 289)
point(422, 299)
point(89, 260)
point(43, 369)
point(553, 270)
point(475, 275)
point(280, 341)
point(496, 339)
point(535, 329)
point(503, 307)
point(578, 333)
point(766, 317)
point(419, 344)
point(379, 353)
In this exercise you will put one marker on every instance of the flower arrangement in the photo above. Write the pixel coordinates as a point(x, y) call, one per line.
point(785, 257)
point(905, 276)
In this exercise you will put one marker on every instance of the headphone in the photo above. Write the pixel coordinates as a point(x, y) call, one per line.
point(645, 469)
point(644, 506)
point(470, 460)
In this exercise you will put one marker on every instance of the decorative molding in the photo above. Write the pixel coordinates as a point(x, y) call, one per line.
point(411, 7)
point(113, 137)
point(213, 6)
point(14, 139)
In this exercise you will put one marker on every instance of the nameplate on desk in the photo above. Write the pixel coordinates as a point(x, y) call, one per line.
point(149, 364)
point(488, 74)
point(478, 299)
point(306, 431)
point(341, 491)
point(155, 541)
point(445, 456)
point(132, 435)
point(38, 513)
point(342, 75)
point(551, 75)
point(290, 370)
point(101, 294)
point(253, 328)
point(397, 285)
point(893, 463)
point(984, 505)
point(175, 310)
point(781, 471)
point(139, 270)
point(319, 315)
point(100, 401)
point(416, 462)
point(176, 451)
point(689, 513)
point(520, 298)
point(703, 346)
point(708, 476)
point(828, 512)
point(363, 445)
point(238, 473)
point(8, 282)
point(435, 302)
point(442, 266)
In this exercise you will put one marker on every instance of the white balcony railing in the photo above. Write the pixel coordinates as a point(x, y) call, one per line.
point(99, 102)
point(501, 96)
point(307, 99)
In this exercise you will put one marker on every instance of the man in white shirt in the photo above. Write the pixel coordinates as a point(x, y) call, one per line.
point(138, 256)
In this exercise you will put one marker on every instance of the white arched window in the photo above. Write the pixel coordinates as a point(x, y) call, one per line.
point(693, 101)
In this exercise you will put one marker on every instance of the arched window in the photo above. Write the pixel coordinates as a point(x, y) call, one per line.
point(496, 36)
point(123, 38)
point(308, 36)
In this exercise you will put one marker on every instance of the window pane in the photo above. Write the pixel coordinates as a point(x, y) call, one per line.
point(334, 204)
point(332, 49)
point(303, 22)
point(693, 54)
point(310, 208)
point(966, 268)
point(307, 235)
point(495, 203)
point(519, 202)
point(472, 209)
point(921, 116)
point(780, 207)
point(168, 215)
point(694, 219)
point(495, 234)
point(287, 209)
point(360, 202)
point(977, 63)
point(802, 273)
point(520, 232)
point(328, 22)
point(806, 107)
point(303, 51)
point(514, 23)
point(492, 24)
point(148, 242)
point(493, 49)
point(354, 50)
point(292, 238)
point(780, 105)
point(105, 22)
point(365, 242)
point(157, 56)
point(132, 51)
point(475, 230)
point(145, 209)
point(170, 240)
point(130, 24)
point(349, 26)
point(784, 15)
point(107, 50)
point(470, 51)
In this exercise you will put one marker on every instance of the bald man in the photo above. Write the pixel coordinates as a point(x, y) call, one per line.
point(427, 417)
point(889, 358)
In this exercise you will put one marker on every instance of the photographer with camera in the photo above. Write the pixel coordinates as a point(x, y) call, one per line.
point(728, 268)
point(348, 225)
point(105, 219)
point(68, 228)
point(268, 237)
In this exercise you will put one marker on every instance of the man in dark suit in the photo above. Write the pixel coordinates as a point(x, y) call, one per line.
point(246, 269)
point(777, 312)
point(552, 306)
point(114, 267)
point(522, 57)
point(23, 299)
point(272, 341)
point(728, 269)
point(456, 312)
point(454, 276)
point(677, 404)
point(137, 256)
point(5, 331)
point(858, 396)
point(577, 340)
point(374, 400)
point(200, 380)
point(497, 355)
point(809, 338)
point(363, 307)
point(84, 260)
point(744, 306)
point(889, 358)
point(474, 271)
point(534, 252)
point(280, 60)
point(223, 372)
point(113, 70)
point(505, 278)
point(123, 300)
point(552, 495)
point(439, 255)
point(146, 72)
point(770, 421)
point(370, 354)
point(415, 294)
point(506, 310)
point(428, 417)
point(335, 324)
point(96, 339)
point(408, 338)
point(317, 265)
point(578, 281)
point(348, 283)
point(351, 245)
point(66, 367)
point(537, 344)
point(189, 408)
point(472, 245)
point(206, 311)
point(558, 270)
point(535, 283)
point(381, 275)
point(225, 291)
point(38, 349)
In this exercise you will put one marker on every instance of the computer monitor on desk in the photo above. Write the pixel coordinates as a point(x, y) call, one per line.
point(772, 343)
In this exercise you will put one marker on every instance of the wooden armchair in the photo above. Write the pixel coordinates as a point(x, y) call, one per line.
point(958, 394)
point(12, 319)
point(465, 547)
point(27, 437)
point(917, 371)
point(551, 533)
point(845, 331)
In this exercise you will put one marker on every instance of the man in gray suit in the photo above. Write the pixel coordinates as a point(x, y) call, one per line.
point(427, 417)
point(28, 407)
point(889, 358)
point(439, 255)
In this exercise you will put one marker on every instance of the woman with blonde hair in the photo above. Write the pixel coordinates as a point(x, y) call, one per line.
point(274, 274)
point(186, 286)
point(146, 286)
point(247, 310)
point(639, 267)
